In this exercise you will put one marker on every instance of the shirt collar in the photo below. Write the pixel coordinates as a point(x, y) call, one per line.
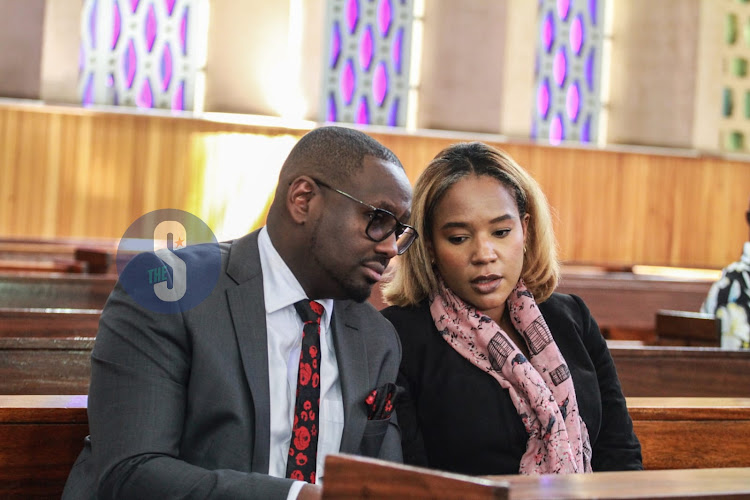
point(280, 287)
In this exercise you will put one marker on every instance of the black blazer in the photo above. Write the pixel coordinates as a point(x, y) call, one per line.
point(179, 405)
point(455, 417)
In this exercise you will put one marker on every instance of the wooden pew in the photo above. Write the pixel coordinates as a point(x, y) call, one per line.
point(692, 433)
point(91, 256)
point(50, 322)
point(55, 290)
point(625, 304)
point(351, 477)
point(40, 438)
point(45, 365)
point(687, 328)
point(663, 371)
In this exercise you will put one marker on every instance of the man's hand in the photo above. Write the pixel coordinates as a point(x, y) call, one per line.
point(310, 492)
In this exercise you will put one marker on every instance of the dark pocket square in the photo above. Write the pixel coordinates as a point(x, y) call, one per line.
point(380, 401)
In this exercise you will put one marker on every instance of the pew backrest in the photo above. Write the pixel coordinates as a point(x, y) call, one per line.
point(687, 328)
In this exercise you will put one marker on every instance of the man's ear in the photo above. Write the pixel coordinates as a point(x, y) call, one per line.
point(300, 198)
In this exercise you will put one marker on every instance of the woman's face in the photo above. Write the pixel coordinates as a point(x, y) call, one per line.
point(477, 242)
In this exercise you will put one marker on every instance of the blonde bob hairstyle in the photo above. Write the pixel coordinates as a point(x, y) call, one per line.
point(415, 278)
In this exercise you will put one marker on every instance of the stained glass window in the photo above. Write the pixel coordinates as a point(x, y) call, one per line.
point(144, 53)
point(733, 100)
point(568, 70)
point(367, 77)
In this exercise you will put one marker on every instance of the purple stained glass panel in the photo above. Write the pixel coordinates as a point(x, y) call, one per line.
point(348, 82)
point(576, 34)
point(542, 99)
point(548, 32)
point(116, 24)
point(134, 5)
point(363, 112)
point(393, 113)
point(165, 67)
point(170, 6)
point(335, 45)
point(560, 66)
point(352, 15)
point(396, 52)
point(92, 23)
point(385, 16)
point(573, 102)
point(88, 91)
point(588, 69)
point(145, 98)
point(366, 48)
point(556, 130)
point(178, 99)
point(129, 64)
point(563, 7)
point(533, 132)
point(380, 83)
point(332, 113)
point(592, 11)
point(586, 130)
point(183, 31)
point(150, 27)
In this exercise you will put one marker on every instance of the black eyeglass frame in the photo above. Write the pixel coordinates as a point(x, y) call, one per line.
point(400, 228)
point(747, 216)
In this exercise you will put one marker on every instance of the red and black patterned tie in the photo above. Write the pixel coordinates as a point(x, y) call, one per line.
point(303, 449)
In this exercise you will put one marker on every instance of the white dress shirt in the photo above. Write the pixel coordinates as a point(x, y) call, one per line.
point(284, 328)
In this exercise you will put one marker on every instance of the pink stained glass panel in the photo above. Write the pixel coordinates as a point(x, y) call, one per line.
point(134, 5)
point(393, 113)
point(150, 27)
point(92, 23)
point(542, 99)
point(548, 32)
point(380, 83)
point(385, 16)
point(556, 130)
point(145, 97)
point(116, 24)
point(563, 7)
point(178, 98)
point(576, 34)
point(573, 102)
point(129, 64)
point(332, 112)
point(88, 91)
point(363, 112)
point(165, 67)
point(170, 6)
point(335, 45)
point(396, 52)
point(348, 82)
point(366, 49)
point(560, 67)
point(183, 31)
point(352, 15)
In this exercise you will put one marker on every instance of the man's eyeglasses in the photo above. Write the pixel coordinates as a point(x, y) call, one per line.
point(747, 216)
point(382, 223)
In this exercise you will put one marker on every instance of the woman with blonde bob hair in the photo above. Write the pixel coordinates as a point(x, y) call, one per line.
point(501, 375)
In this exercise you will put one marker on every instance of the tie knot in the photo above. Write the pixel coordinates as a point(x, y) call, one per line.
point(309, 310)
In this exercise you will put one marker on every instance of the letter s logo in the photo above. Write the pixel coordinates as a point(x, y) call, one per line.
point(162, 234)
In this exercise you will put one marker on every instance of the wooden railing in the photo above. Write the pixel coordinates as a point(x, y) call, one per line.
point(75, 173)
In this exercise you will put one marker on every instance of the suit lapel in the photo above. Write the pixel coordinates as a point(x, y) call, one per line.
point(351, 357)
point(247, 308)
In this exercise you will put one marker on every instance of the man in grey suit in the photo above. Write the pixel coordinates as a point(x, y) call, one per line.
point(200, 402)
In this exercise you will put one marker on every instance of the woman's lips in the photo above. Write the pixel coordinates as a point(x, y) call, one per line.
point(486, 284)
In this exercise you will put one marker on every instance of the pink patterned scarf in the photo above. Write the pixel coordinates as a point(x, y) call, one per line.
point(542, 391)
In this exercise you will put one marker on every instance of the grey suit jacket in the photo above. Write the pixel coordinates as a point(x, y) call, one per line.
point(179, 404)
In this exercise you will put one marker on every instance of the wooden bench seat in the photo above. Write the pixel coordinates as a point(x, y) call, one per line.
point(45, 365)
point(55, 290)
point(40, 438)
point(687, 328)
point(682, 371)
point(51, 322)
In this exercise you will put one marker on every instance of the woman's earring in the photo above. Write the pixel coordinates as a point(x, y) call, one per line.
point(524, 249)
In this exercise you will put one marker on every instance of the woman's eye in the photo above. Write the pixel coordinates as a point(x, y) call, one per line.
point(502, 233)
point(456, 239)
